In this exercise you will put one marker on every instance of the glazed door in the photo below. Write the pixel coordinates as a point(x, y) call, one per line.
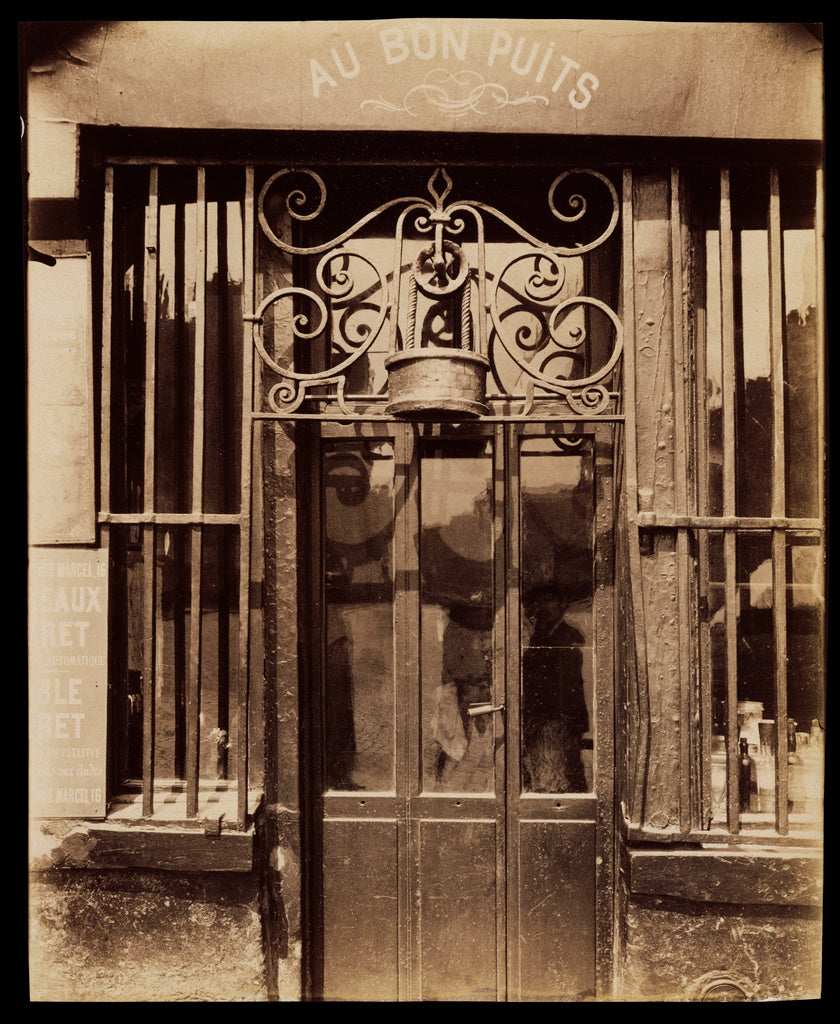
point(453, 735)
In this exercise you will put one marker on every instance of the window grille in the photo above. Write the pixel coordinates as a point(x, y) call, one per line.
point(175, 479)
point(760, 540)
point(748, 505)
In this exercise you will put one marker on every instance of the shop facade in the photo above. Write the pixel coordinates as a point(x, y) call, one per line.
point(427, 515)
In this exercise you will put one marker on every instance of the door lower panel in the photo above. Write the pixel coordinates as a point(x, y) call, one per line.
point(360, 879)
point(457, 908)
point(557, 898)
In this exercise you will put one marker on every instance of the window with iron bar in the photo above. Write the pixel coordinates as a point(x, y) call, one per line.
point(744, 521)
point(760, 489)
point(172, 510)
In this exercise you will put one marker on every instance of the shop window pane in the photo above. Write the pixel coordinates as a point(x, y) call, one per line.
point(756, 670)
point(717, 671)
point(126, 652)
point(557, 557)
point(219, 731)
point(175, 355)
point(128, 341)
point(754, 398)
point(802, 434)
point(223, 340)
point(171, 639)
point(456, 569)
point(359, 707)
point(805, 675)
point(714, 380)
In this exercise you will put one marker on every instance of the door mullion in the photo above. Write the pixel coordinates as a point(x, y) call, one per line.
point(500, 675)
point(512, 716)
point(407, 725)
point(604, 766)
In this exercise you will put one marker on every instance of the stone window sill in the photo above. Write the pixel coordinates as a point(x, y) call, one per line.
point(165, 841)
point(790, 877)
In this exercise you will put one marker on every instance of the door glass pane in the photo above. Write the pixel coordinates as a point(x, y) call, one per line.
point(557, 552)
point(456, 588)
point(358, 660)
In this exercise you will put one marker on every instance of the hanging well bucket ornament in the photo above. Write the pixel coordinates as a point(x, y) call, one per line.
point(426, 377)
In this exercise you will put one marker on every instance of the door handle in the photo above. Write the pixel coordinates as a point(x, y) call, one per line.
point(484, 709)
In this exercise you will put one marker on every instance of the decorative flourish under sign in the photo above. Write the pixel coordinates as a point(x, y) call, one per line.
point(451, 316)
point(456, 94)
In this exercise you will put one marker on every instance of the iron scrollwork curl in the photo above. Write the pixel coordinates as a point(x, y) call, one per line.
point(288, 395)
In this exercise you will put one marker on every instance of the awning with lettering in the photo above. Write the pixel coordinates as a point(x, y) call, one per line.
point(600, 78)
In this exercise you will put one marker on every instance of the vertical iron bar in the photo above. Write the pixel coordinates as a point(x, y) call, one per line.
point(604, 765)
point(777, 366)
point(731, 617)
point(499, 696)
point(819, 239)
point(193, 738)
point(310, 451)
point(226, 665)
point(407, 679)
point(774, 234)
point(114, 707)
point(513, 718)
point(178, 416)
point(150, 297)
point(149, 668)
point(150, 303)
point(780, 638)
point(248, 399)
point(728, 384)
point(681, 499)
point(107, 314)
point(702, 539)
point(194, 685)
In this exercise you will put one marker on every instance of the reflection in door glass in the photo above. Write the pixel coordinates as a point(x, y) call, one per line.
point(358, 663)
point(556, 494)
point(456, 567)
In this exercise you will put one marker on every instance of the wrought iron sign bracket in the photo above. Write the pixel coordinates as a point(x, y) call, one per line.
point(524, 323)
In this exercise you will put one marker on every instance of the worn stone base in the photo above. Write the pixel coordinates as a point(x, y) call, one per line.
point(675, 949)
point(123, 936)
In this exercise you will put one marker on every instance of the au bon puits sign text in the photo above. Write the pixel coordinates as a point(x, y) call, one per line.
point(456, 70)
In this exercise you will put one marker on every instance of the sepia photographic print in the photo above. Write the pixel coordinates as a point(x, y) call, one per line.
point(426, 494)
